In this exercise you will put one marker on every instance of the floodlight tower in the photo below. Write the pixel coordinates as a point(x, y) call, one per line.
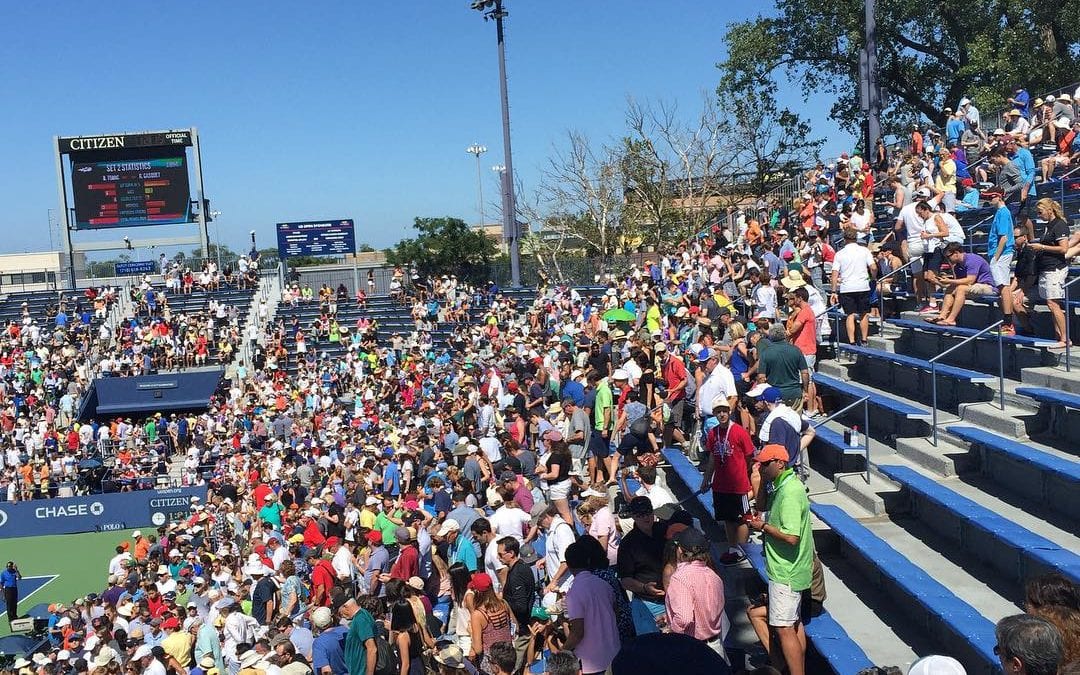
point(493, 9)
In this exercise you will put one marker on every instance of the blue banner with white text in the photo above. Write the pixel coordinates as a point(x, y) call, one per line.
point(107, 512)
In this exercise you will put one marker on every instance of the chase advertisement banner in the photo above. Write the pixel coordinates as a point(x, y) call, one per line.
point(96, 513)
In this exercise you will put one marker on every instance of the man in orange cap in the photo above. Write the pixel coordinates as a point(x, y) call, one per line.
point(789, 557)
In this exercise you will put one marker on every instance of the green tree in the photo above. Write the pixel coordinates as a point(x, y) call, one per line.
point(226, 253)
point(677, 169)
point(770, 143)
point(445, 246)
point(929, 54)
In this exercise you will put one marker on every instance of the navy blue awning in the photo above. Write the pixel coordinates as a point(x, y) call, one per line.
point(109, 396)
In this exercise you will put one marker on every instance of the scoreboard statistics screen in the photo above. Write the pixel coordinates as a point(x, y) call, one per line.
point(130, 188)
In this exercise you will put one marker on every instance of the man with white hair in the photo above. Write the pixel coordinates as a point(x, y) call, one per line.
point(718, 381)
point(328, 647)
point(148, 663)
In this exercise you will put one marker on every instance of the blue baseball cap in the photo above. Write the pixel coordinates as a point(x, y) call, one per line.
point(771, 395)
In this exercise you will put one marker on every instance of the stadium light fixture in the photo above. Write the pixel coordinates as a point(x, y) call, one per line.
point(494, 10)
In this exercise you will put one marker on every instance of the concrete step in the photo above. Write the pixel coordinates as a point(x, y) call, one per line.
point(948, 458)
point(1054, 378)
point(988, 415)
point(851, 492)
point(876, 497)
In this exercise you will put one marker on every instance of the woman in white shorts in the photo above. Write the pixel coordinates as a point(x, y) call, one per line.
point(557, 474)
point(1050, 261)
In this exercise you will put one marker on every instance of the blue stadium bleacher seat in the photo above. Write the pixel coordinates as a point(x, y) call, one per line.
point(1038, 475)
point(852, 390)
point(1028, 554)
point(829, 638)
point(961, 332)
point(964, 625)
point(962, 374)
point(1051, 396)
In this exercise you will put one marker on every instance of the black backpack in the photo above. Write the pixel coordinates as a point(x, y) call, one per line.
point(387, 659)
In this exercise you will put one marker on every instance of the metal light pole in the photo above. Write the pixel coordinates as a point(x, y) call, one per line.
point(214, 215)
point(869, 89)
point(493, 9)
point(477, 150)
point(501, 171)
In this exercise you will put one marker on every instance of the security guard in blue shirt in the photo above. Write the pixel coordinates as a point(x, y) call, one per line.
point(9, 581)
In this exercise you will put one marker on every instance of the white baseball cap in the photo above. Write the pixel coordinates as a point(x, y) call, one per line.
point(321, 617)
point(937, 665)
point(449, 525)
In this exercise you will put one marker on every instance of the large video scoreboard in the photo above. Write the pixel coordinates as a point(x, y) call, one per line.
point(129, 180)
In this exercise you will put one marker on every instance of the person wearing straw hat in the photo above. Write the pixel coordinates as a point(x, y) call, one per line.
point(451, 660)
point(1064, 142)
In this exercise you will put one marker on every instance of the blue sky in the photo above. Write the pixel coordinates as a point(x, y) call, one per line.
point(340, 109)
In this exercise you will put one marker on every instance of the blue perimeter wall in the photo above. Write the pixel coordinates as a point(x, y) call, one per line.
point(96, 513)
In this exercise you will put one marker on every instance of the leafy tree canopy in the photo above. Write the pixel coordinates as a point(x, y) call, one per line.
point(445, 246)
point(930, 54)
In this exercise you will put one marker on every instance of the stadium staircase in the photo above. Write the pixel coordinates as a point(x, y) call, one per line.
point(927, 544)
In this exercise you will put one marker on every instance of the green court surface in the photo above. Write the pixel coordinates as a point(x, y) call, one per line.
point(79, 562)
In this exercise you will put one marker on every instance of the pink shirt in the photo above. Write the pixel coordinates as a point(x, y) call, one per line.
point(695, 601)
point(603, 524)
point(592, 599)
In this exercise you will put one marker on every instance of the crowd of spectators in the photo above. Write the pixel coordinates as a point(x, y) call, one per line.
point(406, 507)
point(49, 356)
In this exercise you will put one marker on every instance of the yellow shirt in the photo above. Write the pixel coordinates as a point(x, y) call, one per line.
point(946, 178)
point(652, 318)
point(178, 646)
point(367, 519)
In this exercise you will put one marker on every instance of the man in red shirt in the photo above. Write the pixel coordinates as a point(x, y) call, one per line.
point(727, 471)
point(407, 564)
point(675, 377)
point(323, 578)
point(259, 494)
point(802, 331)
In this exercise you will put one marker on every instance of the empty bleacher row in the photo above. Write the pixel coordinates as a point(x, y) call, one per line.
point(949, 529)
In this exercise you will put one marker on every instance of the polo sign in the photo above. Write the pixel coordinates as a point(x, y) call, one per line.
point(96, 513)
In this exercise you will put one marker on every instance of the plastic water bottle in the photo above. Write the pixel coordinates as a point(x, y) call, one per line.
point(854, 440)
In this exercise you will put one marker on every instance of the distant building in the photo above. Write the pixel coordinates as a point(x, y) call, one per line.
point(494, 231)
point(45, 270)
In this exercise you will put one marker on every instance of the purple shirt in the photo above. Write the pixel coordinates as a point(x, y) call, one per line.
point(591, 598)
point(977, 265)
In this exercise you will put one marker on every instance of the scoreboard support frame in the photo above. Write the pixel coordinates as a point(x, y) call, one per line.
point(70, 247)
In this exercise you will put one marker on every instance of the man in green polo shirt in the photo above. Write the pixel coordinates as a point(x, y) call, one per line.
point(784, 367)
point(789, 556)
point(603, 417)
point(360, 640)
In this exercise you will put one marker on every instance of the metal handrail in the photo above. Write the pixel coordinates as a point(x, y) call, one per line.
point(836, 329)
point(1068, 320)
point(968, 244)
point(933, 372)
point(865, 402)
point(881, 297)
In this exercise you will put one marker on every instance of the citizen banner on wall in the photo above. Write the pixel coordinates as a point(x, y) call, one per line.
point(107, 512)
